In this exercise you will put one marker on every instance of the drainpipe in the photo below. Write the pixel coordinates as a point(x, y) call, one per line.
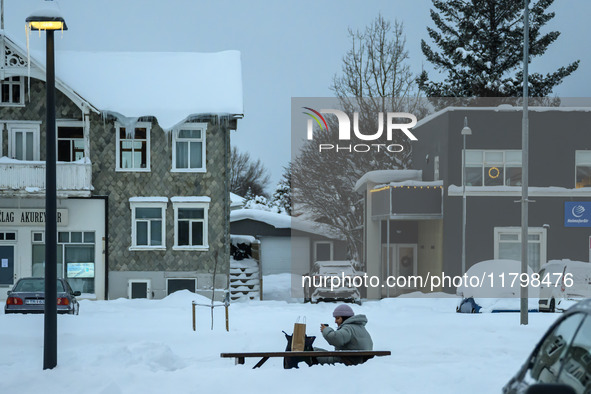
point(226, 131)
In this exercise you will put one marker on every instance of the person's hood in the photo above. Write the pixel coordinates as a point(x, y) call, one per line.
point(357, 319)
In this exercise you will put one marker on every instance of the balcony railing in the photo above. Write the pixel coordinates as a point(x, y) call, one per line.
point(29, 177)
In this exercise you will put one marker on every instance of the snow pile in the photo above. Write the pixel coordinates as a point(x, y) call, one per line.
point(242, 239)
point(244, 263)
point(148, 346)
point(263, 204)
point(495, 286)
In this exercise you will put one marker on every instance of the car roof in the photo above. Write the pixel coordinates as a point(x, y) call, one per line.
point(581, 306)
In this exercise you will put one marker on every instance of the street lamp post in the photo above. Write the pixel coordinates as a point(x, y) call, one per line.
point(465, 131)
point(48, 18)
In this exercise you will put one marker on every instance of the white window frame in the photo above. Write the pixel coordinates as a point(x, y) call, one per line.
point(483, 163)
point(191, 202)
point(10, 82)
point(118, 126)
point(69, 123)
point(13, 127)
point(581, 162)
point(330, 243)
point(541, 231)
point(190, 126)
point(157, 202)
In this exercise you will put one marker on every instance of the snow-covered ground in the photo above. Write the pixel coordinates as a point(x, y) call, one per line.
point(141, 346)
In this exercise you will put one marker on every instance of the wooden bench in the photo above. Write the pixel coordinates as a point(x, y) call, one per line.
point(345, 355)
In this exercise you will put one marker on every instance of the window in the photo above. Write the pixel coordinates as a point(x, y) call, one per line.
point(583, 168)
point(190, 222)
point(188, 148)
point(508, 245)
point(493, 168)
point(70, 141)
point(13, 91)
point(576, 365)
point(75, 258)
point(323, 251)
point(133, 148)
point(545, 365)
point(23, 141)
point(7, 236)
point(148, 219)
point(173, 285)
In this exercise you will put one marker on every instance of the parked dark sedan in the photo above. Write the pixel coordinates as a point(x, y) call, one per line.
point(28, 296)
point(561, 361)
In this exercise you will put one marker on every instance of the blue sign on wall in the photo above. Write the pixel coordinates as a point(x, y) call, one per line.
point(577, 214)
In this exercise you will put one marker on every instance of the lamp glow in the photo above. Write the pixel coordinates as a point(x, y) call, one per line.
point(47, 25)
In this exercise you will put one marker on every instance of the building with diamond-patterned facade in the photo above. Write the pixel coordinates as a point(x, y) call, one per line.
point(142, 174)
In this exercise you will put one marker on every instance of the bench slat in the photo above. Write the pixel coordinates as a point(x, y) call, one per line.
point(337, 353)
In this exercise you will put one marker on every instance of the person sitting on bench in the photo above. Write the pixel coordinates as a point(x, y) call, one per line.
point(350, 335)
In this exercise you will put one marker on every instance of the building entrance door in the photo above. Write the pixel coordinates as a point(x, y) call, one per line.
point(6, 264)
point(398, 260)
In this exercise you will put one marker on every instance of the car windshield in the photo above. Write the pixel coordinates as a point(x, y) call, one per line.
point(35, 286)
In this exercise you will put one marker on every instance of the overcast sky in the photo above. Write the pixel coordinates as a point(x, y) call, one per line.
point(289, 48)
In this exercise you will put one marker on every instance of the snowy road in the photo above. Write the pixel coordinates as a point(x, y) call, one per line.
point(141, 346)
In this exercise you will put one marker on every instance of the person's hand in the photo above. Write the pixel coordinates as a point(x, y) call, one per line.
point(322, 327)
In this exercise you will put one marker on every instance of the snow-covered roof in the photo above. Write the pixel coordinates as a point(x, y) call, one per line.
point(148, 199)
point(537, 191)
point(236, 201)
point(279, 220)
point(172, 86)
point(499, 108)
point(387, 176)
point(410, 183)
point(190, 199)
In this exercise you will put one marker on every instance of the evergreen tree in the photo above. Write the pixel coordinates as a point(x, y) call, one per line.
point(282, 195)
point(480, 48)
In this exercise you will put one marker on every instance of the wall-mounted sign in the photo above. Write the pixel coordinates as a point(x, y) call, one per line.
point(29, 217)
point(577, 214)
point(80, 270)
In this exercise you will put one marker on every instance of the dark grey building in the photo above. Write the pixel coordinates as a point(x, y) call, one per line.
point(421, 212)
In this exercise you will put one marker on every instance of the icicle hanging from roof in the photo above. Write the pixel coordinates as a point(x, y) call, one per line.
point(128, 122)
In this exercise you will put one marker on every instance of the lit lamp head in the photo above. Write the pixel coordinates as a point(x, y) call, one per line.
point(466, 130)
point(47, 18)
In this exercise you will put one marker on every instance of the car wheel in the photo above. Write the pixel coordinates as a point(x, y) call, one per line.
point(552, 306)
point(358, 302)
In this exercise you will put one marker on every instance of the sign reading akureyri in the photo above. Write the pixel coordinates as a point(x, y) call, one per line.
point(30, 217)
point(577, 214)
